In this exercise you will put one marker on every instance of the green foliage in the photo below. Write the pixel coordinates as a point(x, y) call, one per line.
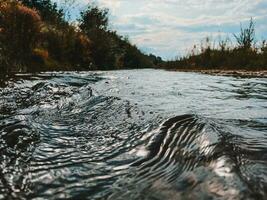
point(109, 50)
point(155, 59)
point(94, 22)
point(133, 58)
point(94, 19)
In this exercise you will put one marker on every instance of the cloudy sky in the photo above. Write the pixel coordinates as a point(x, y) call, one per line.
point(170, 27)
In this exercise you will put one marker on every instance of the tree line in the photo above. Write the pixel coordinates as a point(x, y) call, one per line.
point(246, 54)
point(35, 36)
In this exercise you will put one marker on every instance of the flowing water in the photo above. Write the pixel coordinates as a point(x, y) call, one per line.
point(136, 134)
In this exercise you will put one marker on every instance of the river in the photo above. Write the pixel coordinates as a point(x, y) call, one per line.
point(133, 134)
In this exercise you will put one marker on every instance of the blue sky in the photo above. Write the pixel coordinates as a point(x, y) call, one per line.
point(169, 28)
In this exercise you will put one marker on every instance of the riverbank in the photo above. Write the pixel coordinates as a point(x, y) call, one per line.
point(54, 43)
point(236, 73)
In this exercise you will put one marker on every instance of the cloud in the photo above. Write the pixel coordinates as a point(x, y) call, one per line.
point(171, 27)
point(111, 4)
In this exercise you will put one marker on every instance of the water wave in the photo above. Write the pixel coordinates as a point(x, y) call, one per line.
point(101, 136)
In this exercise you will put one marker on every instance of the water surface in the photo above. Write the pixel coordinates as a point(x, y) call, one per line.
point(133, 134)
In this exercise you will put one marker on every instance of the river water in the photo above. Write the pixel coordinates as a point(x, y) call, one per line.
point(133, 134)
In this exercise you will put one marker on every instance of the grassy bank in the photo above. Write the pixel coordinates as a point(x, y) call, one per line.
point(35, 36)
point(246, 55)
point(236, 73)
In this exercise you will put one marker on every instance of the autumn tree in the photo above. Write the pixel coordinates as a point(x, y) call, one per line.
point(20, 27)
point(47, 9)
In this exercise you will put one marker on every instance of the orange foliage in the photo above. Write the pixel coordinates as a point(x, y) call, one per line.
point(84, 40)
point(20, 27)
point(12, 11)
point(41, 53)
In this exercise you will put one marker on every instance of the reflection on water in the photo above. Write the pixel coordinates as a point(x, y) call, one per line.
point(139, 134)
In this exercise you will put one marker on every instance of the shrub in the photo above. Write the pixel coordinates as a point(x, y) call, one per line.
point(20, 27)
point(38, 60)
point(246, 55)
point(246, 38)
point(68, 46)
point(80, 53)
point(41, 53)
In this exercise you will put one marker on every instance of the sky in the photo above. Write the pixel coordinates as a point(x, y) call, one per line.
point(170, 28)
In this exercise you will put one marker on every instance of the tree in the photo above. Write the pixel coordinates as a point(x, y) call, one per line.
point(94, 18)
point(247, 36)
point(94, 23)
point(48, 10)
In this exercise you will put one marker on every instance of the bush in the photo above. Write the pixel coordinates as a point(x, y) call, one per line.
point(68, 46)
point(28, 43)
point(38, 60)
point(246, 55)
point(246, 38)
point(20, 27)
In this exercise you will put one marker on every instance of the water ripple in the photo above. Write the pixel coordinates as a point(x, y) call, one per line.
point(125, 134)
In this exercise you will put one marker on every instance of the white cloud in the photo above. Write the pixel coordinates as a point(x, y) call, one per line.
point(167, 27)
point(111, 4)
